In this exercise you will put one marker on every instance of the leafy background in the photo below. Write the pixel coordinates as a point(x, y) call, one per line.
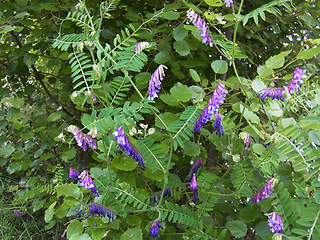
point(55, 54)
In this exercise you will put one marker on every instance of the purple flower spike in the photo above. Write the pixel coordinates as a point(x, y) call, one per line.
point(195, 168)
point(73, 173)
point(211, 109)
point(92, 143)
point(18, 214)
point(228, 3)
point(202, 26)
point(86, 181)
point(155, 228)
point(155, 82)
point(140, 46)
point(273, 93)
point(157, 196)
point(80, 138)
point(275, 222)
point(265, 192)
point(218, 124)
point(193, 183)
point(125, 145)
point(247, 141)
point(101, 210)
point(296, 81)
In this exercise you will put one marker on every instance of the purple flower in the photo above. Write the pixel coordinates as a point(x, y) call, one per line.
point(211, 109)
point(86, 181)
point(202, 26)
point(125, 145)
point(18, 214)
point(101, 210)
point(228, 3)
point(94, 97)
point(81, 141)
point(218, 124)
point(275, 222)
point(195, 168)
point(265, 192)
point(273, 93)
point(73, 173)
point(246, 138)
point(296, 81)
point(140, 46)
point(157, 196)
point(155, 228)
point(194, 188)
point(92, 143)
point(155, 82)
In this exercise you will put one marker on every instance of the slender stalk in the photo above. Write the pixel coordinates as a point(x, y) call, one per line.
point(313, 226)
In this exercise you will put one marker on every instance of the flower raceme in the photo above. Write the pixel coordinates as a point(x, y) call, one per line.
point(195, 168)
point(293, 87)
point(85, 180)
point(157, 196)
point(82, 139)
point(17, 213)
point(155, 228)
point(96, 209)
point(141, 46)
point(202, 26)
point(265, 192)
point(212, 109)
point(228, 3)
point(194, 188)
point(125, 145)
point(155, 82)
point(275, 222)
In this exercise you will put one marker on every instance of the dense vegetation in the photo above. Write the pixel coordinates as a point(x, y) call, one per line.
point(170, 119)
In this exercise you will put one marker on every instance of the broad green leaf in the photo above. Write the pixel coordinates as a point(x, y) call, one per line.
point(69, 154)
point(162, 57)
point(27, 135)
point(182, 47)
point(249, 214)
point(49, 212)
point(314, 136)
point(258, 148)
point(74, 228)
point(309, 53)
point(219, 66)
point(275, 62)
point(83, 236)
point(133, 220)
point(310, 122)
point(169, 99)
point(124, 163)
point(142, 79)
point(167, 118)
point(179, 33)
point(181, 92)
point(171, 15)
point(14, 167)
point(197, 93)
point(195, 76)
point(68, 190)
point(274, 109)
point(317, 195)
point(237, 228)
point(54, 116)
point(258, 85)
point(132, 233)
point(249, 115)
point(263, 230)
point(191, 149)
point(7, 151)
point(214, 3)
point(264, 71)
point(16, 102)
point(99, 233)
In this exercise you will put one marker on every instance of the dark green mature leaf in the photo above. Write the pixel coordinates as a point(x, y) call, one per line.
point(182, 47)
point(179, 33)
point(181, 92)
point(237, 228)
point(132, 233)
point(219, 66)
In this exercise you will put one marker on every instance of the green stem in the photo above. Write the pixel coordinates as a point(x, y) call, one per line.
point(313, 225)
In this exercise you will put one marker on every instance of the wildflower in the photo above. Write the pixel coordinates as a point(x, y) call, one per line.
point(296, 81)
point(92, 143)
point(273, 93)
point(194, 188)
point(202, 26)
point(94, 98)
point(101, 210)
point(140, 46)
point(228, 2)
point(18, 214)
point(195, 168)
point(157, 196)
point(73, 129)
point(83, 139)
point(275, 222)
point(125, 144)
point(211, 109)
point(73, 173)
point(155, 228)
point(86, 181)
point(265, 192)
point(218, 124)
point(246, 138)
point(155, 82)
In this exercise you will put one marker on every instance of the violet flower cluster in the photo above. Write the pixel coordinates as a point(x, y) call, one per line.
point(17, 213)
point(157, 196)
point(265, 192)
point(155, 82)
point(202, 26)
point(141, 46)
point(125, 145)
point(194, 188)
point(195, 168)
point(96, 209)
point(85, 180)
point(82, 138)
point(155, 228)
point(275, 222)
point(293, 87)
point(228, 3)
point(246, 138)
point(211, 110)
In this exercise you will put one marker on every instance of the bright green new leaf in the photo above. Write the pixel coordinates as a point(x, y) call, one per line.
point(171, 15)
point(258, 148)
point(314, 136)
point(69, 154)
point(7, 151)
point(68, 190)
point(132, 233)
point(54, 116)
point(195, 76)
point(309, 53)
point(191, 149)
point(74, 228)
point(169, 99)
point(49, 212)
point(258, 85)
point(219, 66)
point(124, 163)
point(214, 3)
point(181, 92)
point(310, 122)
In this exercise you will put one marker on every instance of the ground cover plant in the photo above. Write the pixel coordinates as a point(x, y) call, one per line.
point(160, 119)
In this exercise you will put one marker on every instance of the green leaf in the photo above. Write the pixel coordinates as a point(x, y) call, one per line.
point(274, 109)
point(74, 228)
point(277, 61)
point(54, 116)
point(169, 99)
point(68, 190)
point(22, 3)
point(191, 149)
point(314, 136)
point(16, 102)
point(214, 3)
point(317, 195)
point(258, 85)
point(162, 57)
point(263, 230)
point(181, 92)
point(219, 66)
point(195, 76)
point(249, 115)
point(197, 93)
point(171, 15)
point(264, 71)
point(7, 151)
point(167, 118)
point(310, 53)
point(124, 163)
point(310, 122)
point(13, 167)
point(27, 135)
point(182, 47)
point(237, 228)
point(249, 214)
point(49, 212)
point(133, 220)
point(132, 233)
point(258, 148)
point(179, 33)
point(69, 154)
